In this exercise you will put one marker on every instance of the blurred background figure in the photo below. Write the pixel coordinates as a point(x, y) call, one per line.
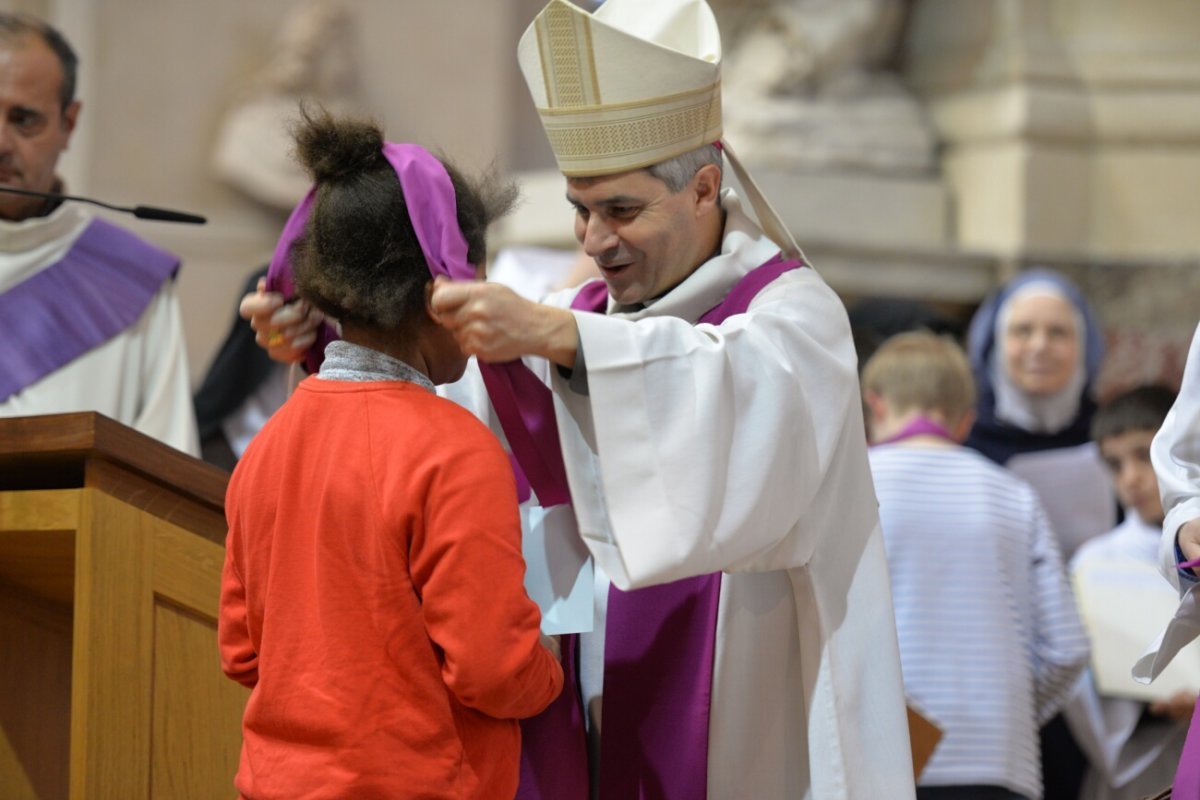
point(1133, 746)
point(311, 59)
point(88, 310)
point(242, 388)
point(812, 84)
point(1036, 349)
point(990, 660)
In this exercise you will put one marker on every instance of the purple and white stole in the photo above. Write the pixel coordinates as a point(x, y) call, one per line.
point(659, 645)
point(96, 290)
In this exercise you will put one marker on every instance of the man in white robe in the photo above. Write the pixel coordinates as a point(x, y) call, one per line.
point(90, 314)
point(735, 447)
point(731, 445)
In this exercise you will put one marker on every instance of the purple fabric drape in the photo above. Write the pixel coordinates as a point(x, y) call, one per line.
point(1187, 776)
point(554, 758)
point(920, 426)
point(659, 648)
point(433, 210)
point(98, 289)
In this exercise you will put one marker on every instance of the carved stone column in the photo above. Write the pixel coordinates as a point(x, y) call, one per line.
point(1070, 126)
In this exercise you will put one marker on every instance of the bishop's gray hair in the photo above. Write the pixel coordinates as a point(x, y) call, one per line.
point(677, 172)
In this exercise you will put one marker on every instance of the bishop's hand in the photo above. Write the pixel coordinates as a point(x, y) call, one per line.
point(1189, 539)
point(496, 324)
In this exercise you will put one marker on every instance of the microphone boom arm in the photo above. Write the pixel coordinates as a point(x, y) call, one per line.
point(141, 212)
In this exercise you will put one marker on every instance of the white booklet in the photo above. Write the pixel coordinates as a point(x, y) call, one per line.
point(558, 569)
point(1124, 605)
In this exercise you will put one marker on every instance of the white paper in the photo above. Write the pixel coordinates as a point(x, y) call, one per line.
point(1075, 489)
point(558, 569)
point(1124, 604)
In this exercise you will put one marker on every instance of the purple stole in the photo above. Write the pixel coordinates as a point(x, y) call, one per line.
point(1187, 774)
point(660, 644)
point(98, 289)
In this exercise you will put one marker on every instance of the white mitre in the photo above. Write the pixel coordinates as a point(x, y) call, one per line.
point(633, 84)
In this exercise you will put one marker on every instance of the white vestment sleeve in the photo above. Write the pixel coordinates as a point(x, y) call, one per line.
point(731, 447)
point(1175, 453)
point(1176, 456)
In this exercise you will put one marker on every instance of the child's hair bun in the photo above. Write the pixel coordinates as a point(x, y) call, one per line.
point(332, 149)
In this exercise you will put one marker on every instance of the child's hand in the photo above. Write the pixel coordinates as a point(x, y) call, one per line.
point(1178, 706)
point(285, 331)
point(551, 643)
point(1189, 539)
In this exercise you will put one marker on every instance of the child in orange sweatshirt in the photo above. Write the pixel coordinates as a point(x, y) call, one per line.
point(372, 593)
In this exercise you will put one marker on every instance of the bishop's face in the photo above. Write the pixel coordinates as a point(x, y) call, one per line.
point(34, 127)
point(644, 238)
point(1041, 343)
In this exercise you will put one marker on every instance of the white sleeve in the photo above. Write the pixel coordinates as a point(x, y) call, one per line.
point(165, 410)
point(1176, 456)
point(706, 448)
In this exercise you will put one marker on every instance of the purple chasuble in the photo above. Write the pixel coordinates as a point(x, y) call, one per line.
point(99, 288)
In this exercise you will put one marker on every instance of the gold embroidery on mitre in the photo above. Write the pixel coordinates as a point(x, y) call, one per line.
point(564, 38)
point(599, 140)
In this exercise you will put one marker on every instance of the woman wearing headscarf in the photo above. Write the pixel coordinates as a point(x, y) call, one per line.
point(1035, 350)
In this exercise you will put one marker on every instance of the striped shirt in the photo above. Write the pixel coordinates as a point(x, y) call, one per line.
point(990, 641)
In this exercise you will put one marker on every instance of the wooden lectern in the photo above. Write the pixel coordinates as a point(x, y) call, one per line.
point(111, 546)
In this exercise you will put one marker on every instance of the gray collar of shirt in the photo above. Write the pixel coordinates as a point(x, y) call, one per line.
point(346, 361)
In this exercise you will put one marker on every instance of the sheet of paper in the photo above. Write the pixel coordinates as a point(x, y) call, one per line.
point(1075, 490)
point(1124, 605)
point(558, 569)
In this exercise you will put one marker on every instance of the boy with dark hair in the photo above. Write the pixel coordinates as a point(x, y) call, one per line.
point(1133, 747)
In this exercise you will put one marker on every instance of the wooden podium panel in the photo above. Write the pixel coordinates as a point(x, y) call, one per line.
point(111, 546)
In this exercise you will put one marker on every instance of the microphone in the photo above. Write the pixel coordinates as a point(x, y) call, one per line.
point(141, 212)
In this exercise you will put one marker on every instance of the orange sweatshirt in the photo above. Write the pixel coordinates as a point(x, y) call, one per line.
point(372, 599)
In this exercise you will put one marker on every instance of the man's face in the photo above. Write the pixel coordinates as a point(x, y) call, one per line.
point(1128, 458)
point(1041, 344)
point(34, 129)
point(643, 237)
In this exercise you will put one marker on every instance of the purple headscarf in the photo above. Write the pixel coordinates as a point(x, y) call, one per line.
point(522, 404)
point(432, 208)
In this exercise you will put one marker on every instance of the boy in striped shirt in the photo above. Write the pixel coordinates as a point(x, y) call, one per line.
point(990, 641)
